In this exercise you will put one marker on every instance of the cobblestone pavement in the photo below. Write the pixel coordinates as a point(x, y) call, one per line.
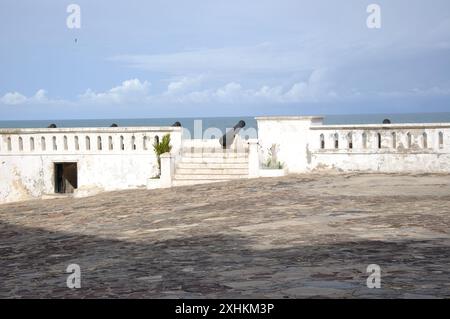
point(291, 237)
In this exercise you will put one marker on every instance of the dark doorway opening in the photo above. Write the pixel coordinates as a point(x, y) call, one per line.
point(66, 177)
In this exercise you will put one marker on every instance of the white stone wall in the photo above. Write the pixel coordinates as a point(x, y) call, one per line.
point(298, 140)
point(289, 134)
point(122, 158)
point(402, 148)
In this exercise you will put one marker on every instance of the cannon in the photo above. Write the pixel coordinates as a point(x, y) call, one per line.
point(52, 126)
point(114, 125)
point(176, 124)
point(228, 138)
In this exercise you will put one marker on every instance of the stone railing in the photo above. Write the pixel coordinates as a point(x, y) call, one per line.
point(47, 141)
point(97, 159)
point(304, 144)
point(386, 138)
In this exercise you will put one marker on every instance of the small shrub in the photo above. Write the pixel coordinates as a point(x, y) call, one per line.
point(272, 162)
point(161, 148)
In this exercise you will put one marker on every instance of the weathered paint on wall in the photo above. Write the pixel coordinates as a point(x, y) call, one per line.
point(107, 158)
point(402, 147)
point(121, 158)
point(289, 135)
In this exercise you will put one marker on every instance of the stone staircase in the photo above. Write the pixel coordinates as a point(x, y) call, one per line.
point(210, 164)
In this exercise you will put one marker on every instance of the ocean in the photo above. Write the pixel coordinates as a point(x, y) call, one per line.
point(224, 123)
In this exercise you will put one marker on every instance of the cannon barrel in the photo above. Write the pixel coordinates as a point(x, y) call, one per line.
point(228, 138)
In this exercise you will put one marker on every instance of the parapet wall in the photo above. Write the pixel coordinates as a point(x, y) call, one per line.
point(107, 158)
point(381, 148)
point(303, 144)
point(123, 157)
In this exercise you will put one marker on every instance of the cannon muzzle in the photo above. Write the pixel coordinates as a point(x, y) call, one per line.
point(228, 138)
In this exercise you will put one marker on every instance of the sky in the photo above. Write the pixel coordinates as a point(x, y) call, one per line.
point(200, 58)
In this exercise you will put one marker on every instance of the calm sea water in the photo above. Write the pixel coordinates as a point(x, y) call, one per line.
point(224, 123)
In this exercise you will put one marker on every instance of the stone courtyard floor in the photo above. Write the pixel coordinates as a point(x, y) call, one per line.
point(292, 237)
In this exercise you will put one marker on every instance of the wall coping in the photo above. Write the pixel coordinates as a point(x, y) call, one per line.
point(125, 129)
point(287, 118)
point(381, 126)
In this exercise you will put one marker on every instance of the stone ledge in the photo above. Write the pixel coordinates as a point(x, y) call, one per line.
point(287, 118)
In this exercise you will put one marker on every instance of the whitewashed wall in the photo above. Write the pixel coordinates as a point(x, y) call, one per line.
point(124, 158)
point(300, 149)
point(387, 148)
point(290, 135)
point(27, 164)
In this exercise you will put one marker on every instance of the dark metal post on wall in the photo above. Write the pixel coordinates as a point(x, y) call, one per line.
point(228, 138)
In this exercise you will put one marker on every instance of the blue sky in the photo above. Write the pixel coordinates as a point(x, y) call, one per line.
point(195, 58)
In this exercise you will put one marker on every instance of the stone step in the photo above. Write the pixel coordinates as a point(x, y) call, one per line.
point(208, 176)
point(213, 165)
point(215, 155)
point(212, 171)
point(207, 160)
point(213, 150)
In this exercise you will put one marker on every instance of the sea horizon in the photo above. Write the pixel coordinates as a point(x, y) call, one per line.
point(226, 122)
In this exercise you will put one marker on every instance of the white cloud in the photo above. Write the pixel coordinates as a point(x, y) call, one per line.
point(235, 93)
point(188, 91)
point(184, 85)
point(130, 91)
point(40, 96)
point(267, 92)
point(191, 91)
point(314, 89)
point(263, 57)
point(13, 98)
point(231, 92)
point(418, 92)
point(16, 98)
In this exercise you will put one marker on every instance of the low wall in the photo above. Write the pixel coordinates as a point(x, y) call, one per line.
point(287, 136)
point(303, 144)
point(123, 157)
point(107, 158)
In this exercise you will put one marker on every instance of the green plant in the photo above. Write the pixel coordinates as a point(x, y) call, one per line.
point(162, 147)
point(273, 165)
point(272, 162)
